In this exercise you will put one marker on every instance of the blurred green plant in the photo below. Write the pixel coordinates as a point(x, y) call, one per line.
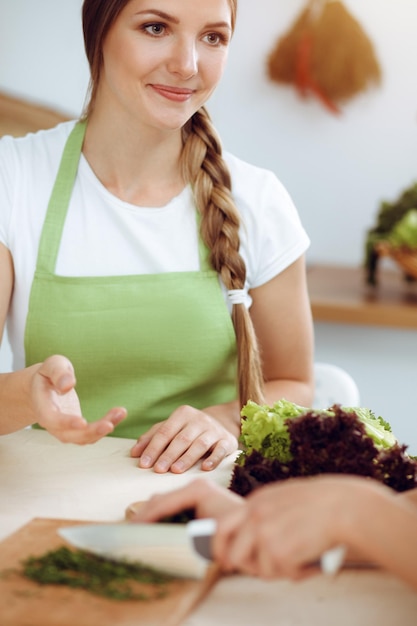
point(396, 224)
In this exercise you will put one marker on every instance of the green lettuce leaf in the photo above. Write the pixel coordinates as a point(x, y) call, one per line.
point(263, 427)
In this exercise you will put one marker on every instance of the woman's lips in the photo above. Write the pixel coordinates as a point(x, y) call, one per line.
point(175, 94)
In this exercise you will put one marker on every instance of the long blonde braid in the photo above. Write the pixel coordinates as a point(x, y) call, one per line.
point(205, 169)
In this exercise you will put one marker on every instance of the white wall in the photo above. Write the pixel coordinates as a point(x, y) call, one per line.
point(42, 52)
point(338, 169)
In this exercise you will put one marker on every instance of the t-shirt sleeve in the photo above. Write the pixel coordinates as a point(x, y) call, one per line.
point(272, 235)
point(7, 184)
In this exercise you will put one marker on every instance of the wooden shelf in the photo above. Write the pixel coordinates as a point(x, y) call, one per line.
point(18, 117)
point(340, 294)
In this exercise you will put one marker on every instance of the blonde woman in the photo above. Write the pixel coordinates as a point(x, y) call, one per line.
point(151, 284)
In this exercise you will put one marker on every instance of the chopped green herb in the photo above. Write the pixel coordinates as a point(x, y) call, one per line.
point(81, 570)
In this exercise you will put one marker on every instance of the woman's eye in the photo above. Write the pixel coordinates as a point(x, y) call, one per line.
point(215, 39)
point(155, 29)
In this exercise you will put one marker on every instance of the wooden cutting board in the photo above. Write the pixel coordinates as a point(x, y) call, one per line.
point(25, 603)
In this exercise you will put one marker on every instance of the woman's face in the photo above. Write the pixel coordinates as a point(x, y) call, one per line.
point(162, 59)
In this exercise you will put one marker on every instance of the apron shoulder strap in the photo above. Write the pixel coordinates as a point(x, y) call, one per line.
point(59, 200)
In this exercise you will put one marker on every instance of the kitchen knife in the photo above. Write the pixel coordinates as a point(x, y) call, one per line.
point(183, 550)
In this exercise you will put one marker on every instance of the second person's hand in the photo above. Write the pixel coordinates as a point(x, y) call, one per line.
point(202, 495)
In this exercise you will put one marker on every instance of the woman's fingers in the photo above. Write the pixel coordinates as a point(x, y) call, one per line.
point(220, 451)
point(203, 496)
point(230, 544)
point(87, 433)
point(58, 372)
point(206, 447)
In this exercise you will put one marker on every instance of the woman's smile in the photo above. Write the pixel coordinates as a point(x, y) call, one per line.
point(175, 94)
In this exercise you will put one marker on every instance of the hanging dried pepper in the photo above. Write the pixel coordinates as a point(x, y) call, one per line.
point(325, 54)
point(304, 81)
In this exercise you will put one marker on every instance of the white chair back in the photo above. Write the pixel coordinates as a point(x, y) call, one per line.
point(334, 385)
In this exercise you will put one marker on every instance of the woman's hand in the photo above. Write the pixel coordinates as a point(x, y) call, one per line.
point(187, 436)
point(57, 408)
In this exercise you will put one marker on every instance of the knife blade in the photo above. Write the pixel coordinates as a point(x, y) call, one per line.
point(183, 550)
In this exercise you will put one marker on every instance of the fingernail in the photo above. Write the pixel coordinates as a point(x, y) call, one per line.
point(178, 466)
point(65, 381)
point(145, 461)
point(162, 466)
point(208, 465)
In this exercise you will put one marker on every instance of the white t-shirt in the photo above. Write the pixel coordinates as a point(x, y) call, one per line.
point(105, 236)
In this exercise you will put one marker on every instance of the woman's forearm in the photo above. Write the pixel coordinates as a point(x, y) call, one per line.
point(383, 528)
point(15, 408)
point(297, 391)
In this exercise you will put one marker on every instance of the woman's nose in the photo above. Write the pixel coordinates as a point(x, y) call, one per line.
point(184, 59)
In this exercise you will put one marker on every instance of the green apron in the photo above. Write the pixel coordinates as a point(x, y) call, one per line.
point(148, 342)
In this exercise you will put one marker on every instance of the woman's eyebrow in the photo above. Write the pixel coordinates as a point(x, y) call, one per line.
point(161, 14)
point(171, 18)
point(219, 25)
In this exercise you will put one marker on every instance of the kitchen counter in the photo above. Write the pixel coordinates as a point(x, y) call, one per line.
point(340, 294)
point(41, 477)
